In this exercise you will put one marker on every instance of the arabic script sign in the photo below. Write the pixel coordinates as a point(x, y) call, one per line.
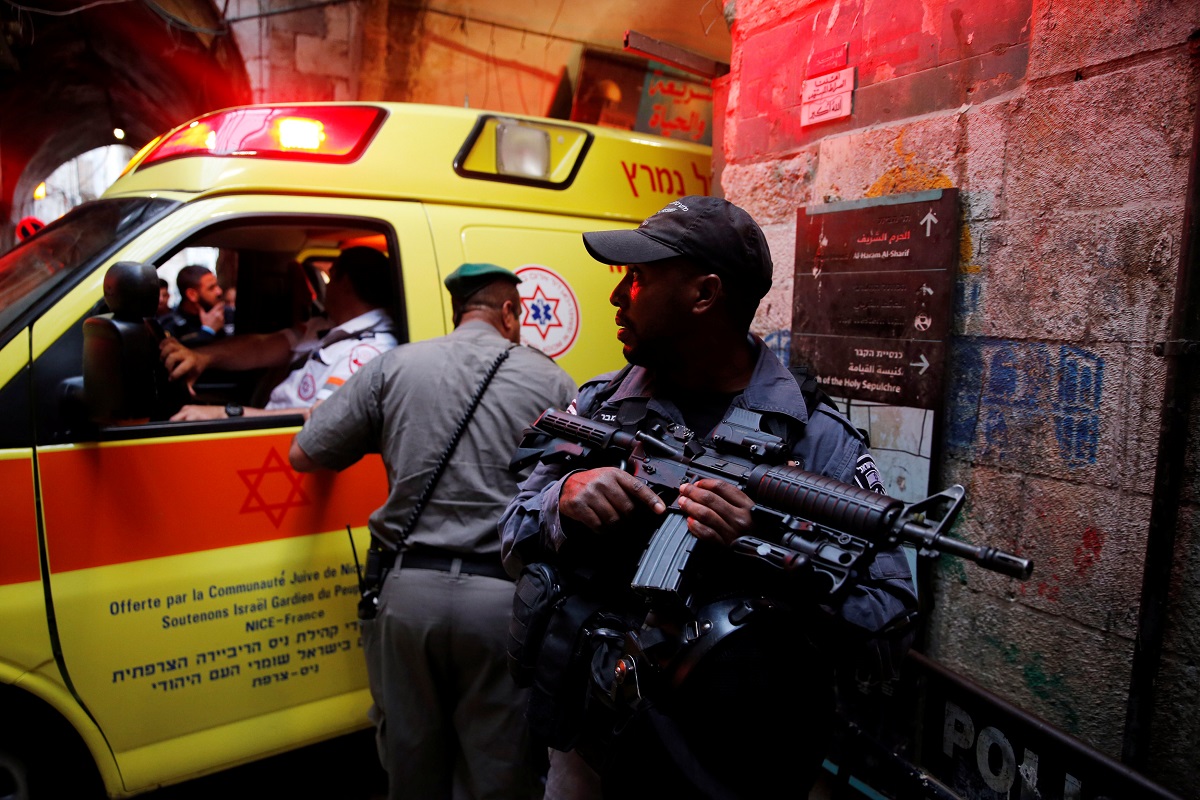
point(827, 97)
point(676, 107)
point(873, 295)
point(838, 82)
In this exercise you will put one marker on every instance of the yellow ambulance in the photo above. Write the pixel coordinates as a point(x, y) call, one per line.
point(174, 599)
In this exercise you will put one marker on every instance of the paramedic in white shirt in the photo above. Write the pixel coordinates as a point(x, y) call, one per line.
point(355, 330)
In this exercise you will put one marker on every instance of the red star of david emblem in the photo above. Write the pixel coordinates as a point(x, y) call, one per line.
point(541, 312)
point(274, 479)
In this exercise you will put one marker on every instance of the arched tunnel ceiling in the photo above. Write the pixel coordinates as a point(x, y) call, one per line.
point(73, 70)
point(70, 75)
point(694, 25)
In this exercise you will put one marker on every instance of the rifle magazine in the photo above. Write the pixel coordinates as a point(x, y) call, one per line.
point(660, 570)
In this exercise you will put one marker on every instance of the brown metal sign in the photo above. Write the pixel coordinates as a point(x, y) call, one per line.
point(873, 295)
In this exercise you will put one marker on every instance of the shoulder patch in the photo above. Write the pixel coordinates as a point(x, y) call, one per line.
point(866, 474)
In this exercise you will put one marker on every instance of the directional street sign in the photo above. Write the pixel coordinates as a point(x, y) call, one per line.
point(929, 220)
point(873, 295)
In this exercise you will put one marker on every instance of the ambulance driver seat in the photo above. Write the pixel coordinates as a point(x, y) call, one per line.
point(124, 381)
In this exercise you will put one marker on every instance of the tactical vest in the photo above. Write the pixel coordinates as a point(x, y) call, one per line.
point(610, 682)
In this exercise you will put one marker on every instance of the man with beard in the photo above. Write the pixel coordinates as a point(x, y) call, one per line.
point(322, 352)
point(200, 316)
point(753, 716)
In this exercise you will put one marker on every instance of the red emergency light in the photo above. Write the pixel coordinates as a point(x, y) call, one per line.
point(331, 134)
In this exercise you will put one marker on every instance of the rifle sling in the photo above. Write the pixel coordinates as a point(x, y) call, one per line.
point(443, 461)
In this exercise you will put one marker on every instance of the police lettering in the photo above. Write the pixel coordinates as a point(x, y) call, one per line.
point(995, 758)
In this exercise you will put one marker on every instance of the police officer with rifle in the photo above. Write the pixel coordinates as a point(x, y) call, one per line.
point(704, 544)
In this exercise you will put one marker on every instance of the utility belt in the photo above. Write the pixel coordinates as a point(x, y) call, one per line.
point(593, 661)
point(381, 560)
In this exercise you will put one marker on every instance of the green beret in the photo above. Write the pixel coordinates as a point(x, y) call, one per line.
point(470, 278)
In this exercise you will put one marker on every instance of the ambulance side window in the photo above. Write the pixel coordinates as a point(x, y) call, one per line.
point(278, 271)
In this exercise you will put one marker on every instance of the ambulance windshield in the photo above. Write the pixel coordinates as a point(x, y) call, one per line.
point(63, 249)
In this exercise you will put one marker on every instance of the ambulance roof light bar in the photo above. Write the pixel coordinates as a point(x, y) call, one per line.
point(330, 134)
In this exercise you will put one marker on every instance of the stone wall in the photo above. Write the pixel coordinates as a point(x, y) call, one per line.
point(295, 56)
point(377, 50)
point(1067, 129)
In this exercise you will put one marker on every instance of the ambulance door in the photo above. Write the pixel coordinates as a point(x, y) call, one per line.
point(204, 594)
point(564, 291)
point(25, 641)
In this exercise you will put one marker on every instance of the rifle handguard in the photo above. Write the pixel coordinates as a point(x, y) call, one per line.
point(823, 500)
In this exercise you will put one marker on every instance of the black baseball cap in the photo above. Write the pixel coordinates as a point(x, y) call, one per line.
point(711, 232)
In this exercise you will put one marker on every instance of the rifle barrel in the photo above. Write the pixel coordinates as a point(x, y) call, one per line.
point(848, 508)
point(983, 555)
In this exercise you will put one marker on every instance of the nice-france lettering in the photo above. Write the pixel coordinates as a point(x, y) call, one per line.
point(301, 610)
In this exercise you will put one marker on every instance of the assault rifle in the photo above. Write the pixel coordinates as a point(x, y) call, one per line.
point(806, 523)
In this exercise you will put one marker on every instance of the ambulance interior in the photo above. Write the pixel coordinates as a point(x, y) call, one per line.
point(280, 271)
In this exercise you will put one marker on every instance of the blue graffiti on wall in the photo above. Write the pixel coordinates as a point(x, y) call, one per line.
point(780, 343)
point(1080, 378)
point(967, 290)
point(1003, 392)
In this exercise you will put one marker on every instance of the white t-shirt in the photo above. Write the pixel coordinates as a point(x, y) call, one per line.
point(331, 355)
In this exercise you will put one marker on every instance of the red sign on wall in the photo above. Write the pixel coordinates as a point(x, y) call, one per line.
point(827, 60)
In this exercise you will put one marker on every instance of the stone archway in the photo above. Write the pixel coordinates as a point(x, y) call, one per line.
point(71, 73)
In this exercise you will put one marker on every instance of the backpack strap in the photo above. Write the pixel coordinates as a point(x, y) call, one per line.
point(815, 397)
